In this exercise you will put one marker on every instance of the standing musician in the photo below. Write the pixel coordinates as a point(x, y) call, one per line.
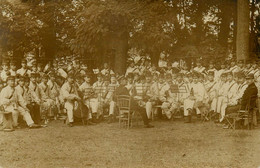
point(12, 101)
point(69, 95)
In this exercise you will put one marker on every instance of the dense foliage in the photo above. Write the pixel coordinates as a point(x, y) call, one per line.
point(97, 30)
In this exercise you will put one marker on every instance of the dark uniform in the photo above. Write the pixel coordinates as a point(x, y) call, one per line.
point(122, 90)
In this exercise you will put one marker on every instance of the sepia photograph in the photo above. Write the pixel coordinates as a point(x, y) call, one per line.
point(130, 83)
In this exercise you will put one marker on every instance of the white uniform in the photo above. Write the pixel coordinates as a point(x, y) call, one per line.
point(13, 102)
point(47, 103)
point(198, 97)
point(23, 71)
point(4, 75)
point(90, 101)
point(68, 93)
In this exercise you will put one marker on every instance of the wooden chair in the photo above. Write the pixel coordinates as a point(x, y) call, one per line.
point(242, 114)
point(7, 119)
point(124, 104)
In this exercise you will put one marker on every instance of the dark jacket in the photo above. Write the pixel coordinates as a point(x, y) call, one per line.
point(249, 96)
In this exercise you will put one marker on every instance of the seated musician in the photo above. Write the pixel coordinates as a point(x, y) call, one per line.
point(250, 94)
point(54, 94)
point(183, 91)
point(171, 104)
point(108, 97)
point(12, 101)
point(149, 96)
point(220, 97)
point(195, 99)
point(47, 103)
point(98, 88)
point(69, 95)
point(162, 87)
point(90, 99)
point(122, 90)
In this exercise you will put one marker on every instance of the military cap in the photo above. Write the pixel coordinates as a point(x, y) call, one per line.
point(168, 75)
point(34, 63)
point(148, 73)
point(106, 78)
point(26, 79)
point(211, 73)
point(52, 74)
point(33, 75)
point(130, 75)
point(224, 74)
point(180, 75)
point(161, 75)
point(195, 75)
point(211, 62)
point(240, 62)
point(44, 76)
point(250, 76)
point(24, 61)
point(240, 75)
point(5, 63)
point(21, 78)
point(10, 78)
point(99, 75)
point(12, 63)
point(120, 78)
point(229, 73)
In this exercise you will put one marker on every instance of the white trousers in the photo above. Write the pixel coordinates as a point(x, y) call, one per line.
point(148, 108)
point(112, 106)
point(217, 104)
point(92, 104)
point(189, 104)
point(168, 109)
point(1, 118)
point(69, 106)
point(26, 116)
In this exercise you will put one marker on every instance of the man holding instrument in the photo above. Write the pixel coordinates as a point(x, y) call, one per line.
point(12, 101)
point(69, 94)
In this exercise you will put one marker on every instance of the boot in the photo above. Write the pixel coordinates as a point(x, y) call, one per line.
point(187, 119)
point(94, 118)
point(110, 119)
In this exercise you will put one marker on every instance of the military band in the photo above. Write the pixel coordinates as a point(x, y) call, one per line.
point(40, 93)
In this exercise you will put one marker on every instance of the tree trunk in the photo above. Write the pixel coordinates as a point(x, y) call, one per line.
point(242, 39)
point(117, 44)
point(225, 23)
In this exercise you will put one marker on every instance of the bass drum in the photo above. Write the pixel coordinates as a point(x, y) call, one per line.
point(80, 111)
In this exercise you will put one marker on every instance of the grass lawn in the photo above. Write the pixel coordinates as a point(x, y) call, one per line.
point(169, 144)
